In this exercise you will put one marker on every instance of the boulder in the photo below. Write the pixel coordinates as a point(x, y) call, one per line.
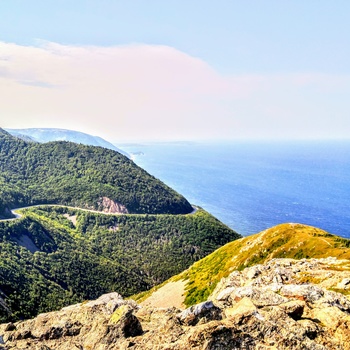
point(330, 317)
point(242, 309)
point(200, 313)
point(123, 323)
point(293, 308)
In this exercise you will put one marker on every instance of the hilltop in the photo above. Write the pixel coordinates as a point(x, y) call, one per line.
point(90, 177)
point(289, 240)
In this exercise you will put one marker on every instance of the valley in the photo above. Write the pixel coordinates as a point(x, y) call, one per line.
point(58, 262)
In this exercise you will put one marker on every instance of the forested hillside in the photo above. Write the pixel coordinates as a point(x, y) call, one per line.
point(78, 175)
point(55, 256)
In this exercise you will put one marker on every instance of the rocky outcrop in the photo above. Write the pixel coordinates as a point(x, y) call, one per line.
point(107, 205)
point(282, 304)
point(92, 325)
point(200, 313)
point(278, 299)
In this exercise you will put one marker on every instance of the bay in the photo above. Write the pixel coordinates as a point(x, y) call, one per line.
point(251, 186)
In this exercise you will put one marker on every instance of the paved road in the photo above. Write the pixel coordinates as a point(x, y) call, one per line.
point(17, 215)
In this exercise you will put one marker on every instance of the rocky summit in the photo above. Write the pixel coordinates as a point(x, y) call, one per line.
point(281, 304)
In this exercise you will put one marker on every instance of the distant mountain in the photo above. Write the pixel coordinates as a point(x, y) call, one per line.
point(24, 137)
point(51, 134)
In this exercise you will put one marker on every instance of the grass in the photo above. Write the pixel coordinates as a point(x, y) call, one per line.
point(294, 241)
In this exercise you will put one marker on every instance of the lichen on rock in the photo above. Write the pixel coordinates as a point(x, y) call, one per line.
point(250, 309)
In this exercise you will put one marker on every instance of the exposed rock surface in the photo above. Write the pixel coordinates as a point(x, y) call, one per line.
point(109, 206)
point(270, 306)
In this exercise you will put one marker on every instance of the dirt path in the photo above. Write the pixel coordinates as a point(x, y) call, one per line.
point(169, 295)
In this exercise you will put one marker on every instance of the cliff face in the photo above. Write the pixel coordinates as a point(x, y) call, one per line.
point(282, 304)
point(109, 206)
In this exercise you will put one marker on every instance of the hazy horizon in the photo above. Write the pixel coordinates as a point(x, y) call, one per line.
point(199, 141)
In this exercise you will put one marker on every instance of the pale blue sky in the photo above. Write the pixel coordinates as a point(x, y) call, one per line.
point(269, 47)
point(233, 36)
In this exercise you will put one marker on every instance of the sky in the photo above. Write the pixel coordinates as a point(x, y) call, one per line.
point(177, 70)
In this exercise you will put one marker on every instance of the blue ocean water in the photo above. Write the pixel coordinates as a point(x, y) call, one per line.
point(252, 186)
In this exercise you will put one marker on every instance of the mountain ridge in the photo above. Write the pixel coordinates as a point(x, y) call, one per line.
point(55, 134)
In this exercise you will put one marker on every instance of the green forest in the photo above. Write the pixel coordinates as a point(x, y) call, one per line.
point(55, 256)
point(73, 174)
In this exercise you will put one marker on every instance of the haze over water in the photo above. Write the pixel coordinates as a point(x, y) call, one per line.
point(252, 186)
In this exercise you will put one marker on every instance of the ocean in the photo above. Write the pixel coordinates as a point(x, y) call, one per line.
point(251, 186)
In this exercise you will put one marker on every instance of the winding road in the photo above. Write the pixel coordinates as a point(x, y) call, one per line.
point(18, 216)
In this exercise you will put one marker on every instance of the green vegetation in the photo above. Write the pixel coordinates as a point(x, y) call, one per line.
point(283, 241)
point(77, 175)
point(56, 256)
